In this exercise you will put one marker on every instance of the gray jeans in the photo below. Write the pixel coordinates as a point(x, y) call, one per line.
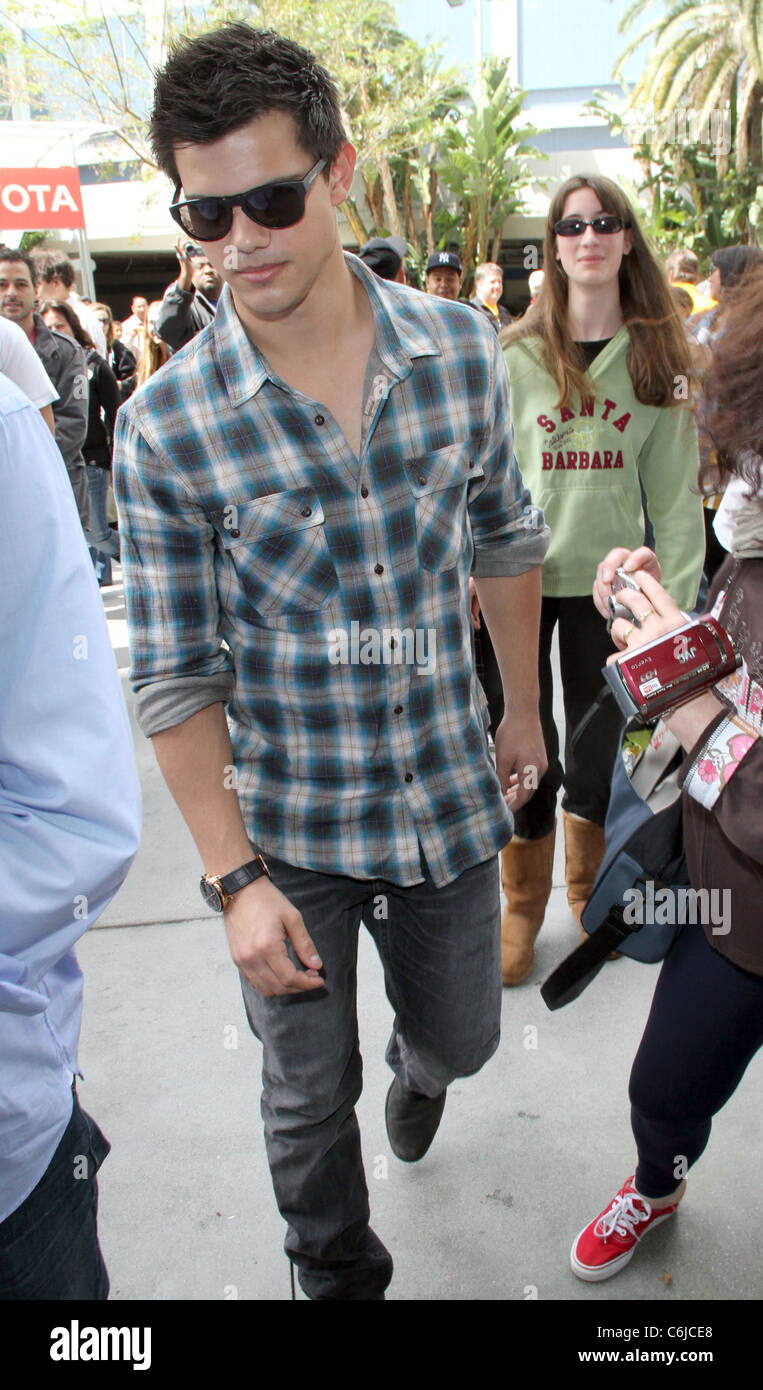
point(440, 948)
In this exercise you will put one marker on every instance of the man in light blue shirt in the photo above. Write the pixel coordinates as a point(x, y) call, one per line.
point(69, 828)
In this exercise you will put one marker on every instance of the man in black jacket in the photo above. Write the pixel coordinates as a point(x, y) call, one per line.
point(63, 360)
point(190, 302)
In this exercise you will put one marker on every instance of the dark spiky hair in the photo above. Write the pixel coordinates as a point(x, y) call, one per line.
point(219, 82)
point(14, 255)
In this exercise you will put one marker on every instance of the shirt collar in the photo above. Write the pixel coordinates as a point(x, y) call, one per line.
point(400, 335)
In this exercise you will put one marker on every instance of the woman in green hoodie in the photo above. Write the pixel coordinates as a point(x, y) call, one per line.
point(600, 376)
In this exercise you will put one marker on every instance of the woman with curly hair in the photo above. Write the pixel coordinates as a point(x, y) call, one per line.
point(727, 266)
point(706, 1020)
point(600, 370)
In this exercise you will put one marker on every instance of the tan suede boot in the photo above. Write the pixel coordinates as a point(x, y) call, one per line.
point(583, 853)
point(526, 868)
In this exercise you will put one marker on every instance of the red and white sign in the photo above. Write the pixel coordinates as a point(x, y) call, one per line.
point(33, 200)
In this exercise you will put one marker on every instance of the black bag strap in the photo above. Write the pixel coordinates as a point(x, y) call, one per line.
point(578, 969)
point(604, 694)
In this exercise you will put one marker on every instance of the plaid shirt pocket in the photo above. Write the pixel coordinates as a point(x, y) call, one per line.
point(278, 548)
point(439, 483)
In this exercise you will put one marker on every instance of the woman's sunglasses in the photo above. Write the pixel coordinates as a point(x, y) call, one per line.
point(272, 205)
point(605, 224)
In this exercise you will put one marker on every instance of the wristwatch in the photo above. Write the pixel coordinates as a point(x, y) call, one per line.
point(217, 892)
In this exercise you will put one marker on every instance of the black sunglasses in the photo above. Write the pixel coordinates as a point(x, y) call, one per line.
point(272, 205)
point(604, 224)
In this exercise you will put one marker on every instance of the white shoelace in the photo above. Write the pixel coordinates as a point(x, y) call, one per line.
point(626, 1212)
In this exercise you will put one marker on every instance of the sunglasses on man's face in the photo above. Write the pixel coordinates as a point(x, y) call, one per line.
point(604, 224)
point(272, 205)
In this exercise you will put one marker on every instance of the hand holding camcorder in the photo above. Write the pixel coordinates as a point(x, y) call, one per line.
point(684, 657)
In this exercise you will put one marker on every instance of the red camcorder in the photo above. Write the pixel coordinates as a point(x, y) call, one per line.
point(672, 669)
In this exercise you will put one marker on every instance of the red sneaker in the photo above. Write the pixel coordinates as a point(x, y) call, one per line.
point(605, 1246)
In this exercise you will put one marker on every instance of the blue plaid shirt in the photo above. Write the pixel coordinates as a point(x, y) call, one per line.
point(324, 598)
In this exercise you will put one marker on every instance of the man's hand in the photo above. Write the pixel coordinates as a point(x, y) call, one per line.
point(259, 921)
point(520, 757)
point(195, 758)
point(187, 263)
point(629, 560)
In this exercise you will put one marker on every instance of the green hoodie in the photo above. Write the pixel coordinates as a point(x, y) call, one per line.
point(582, 466)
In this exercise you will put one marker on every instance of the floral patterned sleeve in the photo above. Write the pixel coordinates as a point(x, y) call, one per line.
point(718, 757)
point(723, 772)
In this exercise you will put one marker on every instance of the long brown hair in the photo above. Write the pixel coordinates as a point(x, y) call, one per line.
point(658, 351)
point(734, 383)
point(152, 355)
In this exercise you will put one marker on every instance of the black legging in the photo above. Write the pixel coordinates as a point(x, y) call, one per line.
point(584, 646)
point(705, 1026)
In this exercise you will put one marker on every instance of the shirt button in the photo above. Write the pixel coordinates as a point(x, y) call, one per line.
point(378, 569)
point(307, 511)
point(235, 535)
point(471, 463)
point(421, 480)
point(364, 491)
point(409, 776)
point(398, 709)
point(320, 420)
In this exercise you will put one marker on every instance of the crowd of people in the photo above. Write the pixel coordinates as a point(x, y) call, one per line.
point(298, 439)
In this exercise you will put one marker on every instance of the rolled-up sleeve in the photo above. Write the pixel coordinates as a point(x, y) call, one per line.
point(179, 663)
point(509, 533)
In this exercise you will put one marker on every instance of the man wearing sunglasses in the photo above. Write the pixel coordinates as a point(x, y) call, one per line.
point(301, 490)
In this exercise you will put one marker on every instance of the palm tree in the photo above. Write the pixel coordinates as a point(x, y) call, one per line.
point(707, 58)
point(485, 163)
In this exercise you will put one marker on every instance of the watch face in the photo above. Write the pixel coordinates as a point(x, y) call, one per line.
point(211, 895)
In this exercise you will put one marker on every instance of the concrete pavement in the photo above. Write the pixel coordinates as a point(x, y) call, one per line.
point(528, 1151)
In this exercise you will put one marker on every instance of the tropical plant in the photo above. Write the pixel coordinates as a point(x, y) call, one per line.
point(681, 198)
point(707, 61)
point(486, 162)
